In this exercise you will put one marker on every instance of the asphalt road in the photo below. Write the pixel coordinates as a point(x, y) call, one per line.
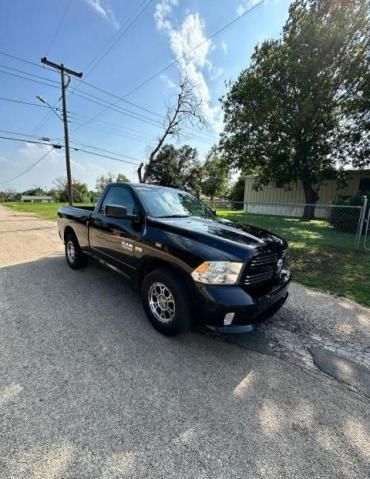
point(89, 390)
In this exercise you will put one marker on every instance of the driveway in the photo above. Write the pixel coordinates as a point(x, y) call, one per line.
point(90, 390)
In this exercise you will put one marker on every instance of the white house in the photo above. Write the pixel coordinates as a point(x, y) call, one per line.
point(36, 199)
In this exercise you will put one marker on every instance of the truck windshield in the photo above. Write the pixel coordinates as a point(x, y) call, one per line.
point(168, 203)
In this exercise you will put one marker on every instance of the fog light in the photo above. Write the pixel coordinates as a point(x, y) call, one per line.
point(228, 319)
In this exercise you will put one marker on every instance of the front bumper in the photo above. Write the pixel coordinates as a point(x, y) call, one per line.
point(214, 302)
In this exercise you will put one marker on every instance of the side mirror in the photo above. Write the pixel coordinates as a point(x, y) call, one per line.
point(117, 211)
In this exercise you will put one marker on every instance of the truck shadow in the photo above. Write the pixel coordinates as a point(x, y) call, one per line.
point(90, 389)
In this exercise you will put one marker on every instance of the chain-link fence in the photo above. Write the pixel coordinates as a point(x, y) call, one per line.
point(331, 225)
point(366, 230)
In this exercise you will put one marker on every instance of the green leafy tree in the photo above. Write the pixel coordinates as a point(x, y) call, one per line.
point(215, 175)
point(178, 167)
point(53, 193)
point(237, 189)
point(36, 191)
point(80, 191)
point(122, 178)
point(103, 180)
point(302, 106)
point(9, 194)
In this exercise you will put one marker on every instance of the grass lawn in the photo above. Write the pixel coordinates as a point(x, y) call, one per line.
point(48, 211)
point(320, 256)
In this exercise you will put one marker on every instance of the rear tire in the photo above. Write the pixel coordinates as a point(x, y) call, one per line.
point(74, 255)
point(166, 302)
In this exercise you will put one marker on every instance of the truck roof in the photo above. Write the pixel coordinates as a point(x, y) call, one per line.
point(147, 185)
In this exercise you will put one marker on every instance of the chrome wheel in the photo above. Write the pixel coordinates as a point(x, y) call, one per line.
point(71, 251)
point(161, 302)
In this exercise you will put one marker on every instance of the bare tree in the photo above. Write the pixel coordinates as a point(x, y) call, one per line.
point(186, 109)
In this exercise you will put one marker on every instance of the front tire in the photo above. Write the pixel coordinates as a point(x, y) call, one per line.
point(166, 302)
point(74, 255)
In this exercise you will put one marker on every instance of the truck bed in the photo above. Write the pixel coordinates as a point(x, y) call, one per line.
point(88, 208)
point(77, 217)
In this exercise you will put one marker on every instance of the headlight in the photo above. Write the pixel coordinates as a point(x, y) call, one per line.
point(217, 272)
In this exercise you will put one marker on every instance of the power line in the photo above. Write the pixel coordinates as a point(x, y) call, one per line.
point(29, 79)
point(126, 112)
point(106, 92)
point(103, 102)
point(48, 115)
point(199, 133)
point(12, 132)
point(98, 101)
point(118, 35)
point(105, 156)
point(135, 105)
point(43, 121)
point(133, 115)
point(108, 151)
point(95, 99)
point(24, 60)
point(15, 57)
point(58, 27)
point(29, 74)
point(29, 168)
point(114, 108)
point(110, 128)
point(79, 80)
point(25, 140)
point(175, 61)
point(136, 136)
point(119, 128)
point(52, 83)
point(119, 133)
point(57, 146)
point(22, 102)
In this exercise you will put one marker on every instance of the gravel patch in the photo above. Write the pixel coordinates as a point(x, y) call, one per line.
point(88, 389)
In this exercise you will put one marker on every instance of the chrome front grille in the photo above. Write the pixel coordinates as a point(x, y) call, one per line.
point(264, 259)
point(258, 278)
point(262, 268)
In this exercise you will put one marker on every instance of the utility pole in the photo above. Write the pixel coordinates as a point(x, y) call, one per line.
point(64, 70)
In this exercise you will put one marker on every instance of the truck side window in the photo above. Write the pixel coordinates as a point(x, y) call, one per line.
point(119, 195)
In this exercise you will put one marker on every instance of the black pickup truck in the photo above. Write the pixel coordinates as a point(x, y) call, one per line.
point(189, 265)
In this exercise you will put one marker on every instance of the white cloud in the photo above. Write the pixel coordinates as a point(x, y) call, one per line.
point(103, 8)
point(240, 10)
point(4, 160)
point(161, 12)
point(191, 48)
point(169, 83)
point(225, 47)
point(215, 72)
point(33, 151)
point(247, 4)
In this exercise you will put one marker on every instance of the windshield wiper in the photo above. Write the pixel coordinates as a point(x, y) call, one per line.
point(173, 216)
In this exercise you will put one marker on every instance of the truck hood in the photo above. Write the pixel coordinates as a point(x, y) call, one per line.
point(218, 231)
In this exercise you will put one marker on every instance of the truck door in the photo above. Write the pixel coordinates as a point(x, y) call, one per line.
point(114, 239)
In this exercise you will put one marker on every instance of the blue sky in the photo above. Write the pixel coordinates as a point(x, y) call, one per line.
point(75, 32)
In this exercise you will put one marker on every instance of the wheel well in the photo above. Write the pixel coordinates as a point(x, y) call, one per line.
point(155, 263)
point(67, 231)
